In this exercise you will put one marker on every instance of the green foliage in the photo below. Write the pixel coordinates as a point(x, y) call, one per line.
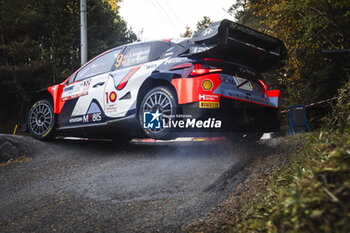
point(204, 23)
point(340, 119)
point(40, 43)
point(245, 15)
point(201, 24)
point(113, 4)
point(312, 193)
point(306, 27)
point(187, 33)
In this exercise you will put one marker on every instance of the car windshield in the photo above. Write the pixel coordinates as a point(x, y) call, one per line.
point(100, 65)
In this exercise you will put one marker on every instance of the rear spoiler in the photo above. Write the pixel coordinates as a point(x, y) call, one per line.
point(233, 42)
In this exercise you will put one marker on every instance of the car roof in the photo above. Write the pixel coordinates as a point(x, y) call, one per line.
point(176, 41)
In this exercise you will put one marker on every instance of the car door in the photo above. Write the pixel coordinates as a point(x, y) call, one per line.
point(120, 93)
point(133, 67)
point(84, 96)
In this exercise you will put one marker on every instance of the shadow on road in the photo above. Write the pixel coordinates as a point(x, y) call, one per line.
point(76, 185)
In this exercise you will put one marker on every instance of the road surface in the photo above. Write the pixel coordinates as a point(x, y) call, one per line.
point(88, 186)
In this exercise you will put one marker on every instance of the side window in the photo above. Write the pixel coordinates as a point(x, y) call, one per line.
point(98, 66)
point(162, 50)
point(142, 53)
point(134, 55)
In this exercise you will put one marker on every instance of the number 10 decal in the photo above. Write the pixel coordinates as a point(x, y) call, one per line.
point(112, 97)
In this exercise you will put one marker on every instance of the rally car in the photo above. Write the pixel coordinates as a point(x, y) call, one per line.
point(209, 83)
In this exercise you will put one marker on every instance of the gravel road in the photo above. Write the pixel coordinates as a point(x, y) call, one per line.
point(89, 186)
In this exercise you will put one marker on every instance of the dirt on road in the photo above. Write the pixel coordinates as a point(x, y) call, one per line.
point(88, 186)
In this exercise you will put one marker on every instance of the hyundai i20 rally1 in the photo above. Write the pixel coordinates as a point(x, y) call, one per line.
point(210, 83)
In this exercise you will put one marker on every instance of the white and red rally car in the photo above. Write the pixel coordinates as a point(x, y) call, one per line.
point(162, 89)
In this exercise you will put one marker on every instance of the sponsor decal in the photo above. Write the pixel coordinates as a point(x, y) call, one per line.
point(238, 82)
point(174, 60)
point(245, 97)
point(207, 85)
point(199, 49)
point(169, 94)
point(47, 132)
point(206, 104)
point(76, 119)
point(92, 117)
point(207, 31)
point(88, 118)
point(112, 96)
point(168, 54)
point(111, 108)
point(209, 97)
point(243, 83)
point(76, 90)
point(151, 67)
point(249, 31)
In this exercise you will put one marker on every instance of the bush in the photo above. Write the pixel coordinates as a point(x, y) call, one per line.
point(312, 193)
point(339, 121)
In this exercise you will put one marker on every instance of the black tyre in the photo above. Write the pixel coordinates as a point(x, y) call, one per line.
point(41, 120)
point(162, 100)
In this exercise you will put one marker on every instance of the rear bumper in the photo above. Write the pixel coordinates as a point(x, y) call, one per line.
point(191, 89)
point(237, 115)
point(239, 109)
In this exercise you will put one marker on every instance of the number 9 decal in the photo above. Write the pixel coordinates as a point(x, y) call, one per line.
point(119, 60)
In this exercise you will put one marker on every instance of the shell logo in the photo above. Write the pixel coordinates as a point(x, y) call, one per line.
point(112, 96)
point(207, 85)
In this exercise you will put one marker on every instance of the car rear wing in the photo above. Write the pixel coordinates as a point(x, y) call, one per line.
point(233, 42)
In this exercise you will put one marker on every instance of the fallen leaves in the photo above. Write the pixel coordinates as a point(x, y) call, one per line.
point(20, 159)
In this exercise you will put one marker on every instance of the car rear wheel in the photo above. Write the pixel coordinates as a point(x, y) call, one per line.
point(41, 120)
point(158, 106)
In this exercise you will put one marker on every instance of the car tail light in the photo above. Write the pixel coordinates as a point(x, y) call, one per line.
point(263, 84)
point(213, 59)
point(190, 69)
point(199, 70)
point(181, 66)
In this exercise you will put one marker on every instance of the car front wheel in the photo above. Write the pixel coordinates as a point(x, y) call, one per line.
point(41, 120)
